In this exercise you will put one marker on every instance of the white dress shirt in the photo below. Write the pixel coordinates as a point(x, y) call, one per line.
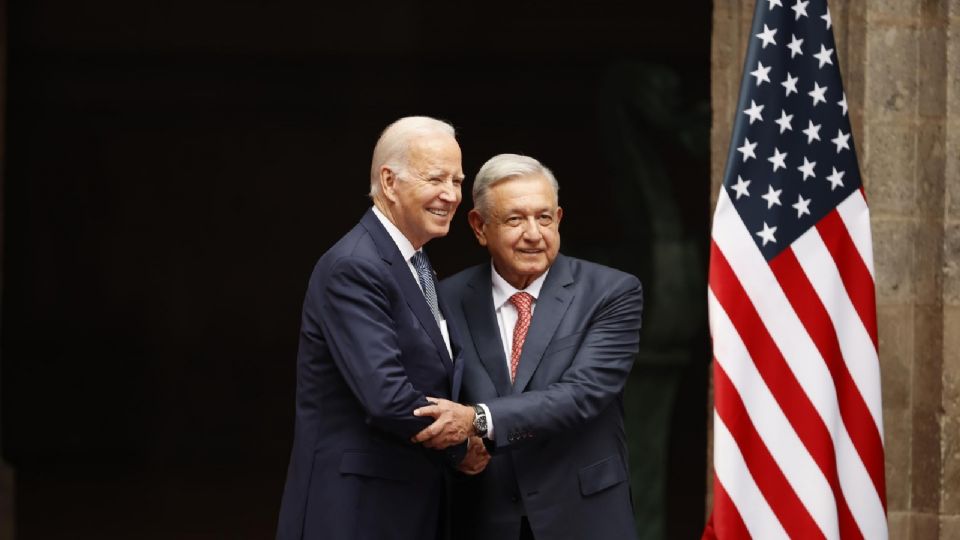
point(407, 251)
point(507, 318)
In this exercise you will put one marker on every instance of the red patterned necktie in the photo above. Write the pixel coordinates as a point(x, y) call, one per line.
point(523, 302)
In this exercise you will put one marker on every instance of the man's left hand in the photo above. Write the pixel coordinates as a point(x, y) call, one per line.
point(452, 424)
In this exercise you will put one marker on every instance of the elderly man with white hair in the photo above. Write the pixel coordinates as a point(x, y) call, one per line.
point(548, 343)
point(374, 343)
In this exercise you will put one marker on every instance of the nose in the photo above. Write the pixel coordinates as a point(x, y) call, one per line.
point(531, 230)
point(450, 192)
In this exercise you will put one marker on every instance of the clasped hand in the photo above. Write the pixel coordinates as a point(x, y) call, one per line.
point(452, 424)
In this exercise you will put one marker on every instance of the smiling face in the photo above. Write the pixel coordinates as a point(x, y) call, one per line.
point(522, 230)
point(421, 200)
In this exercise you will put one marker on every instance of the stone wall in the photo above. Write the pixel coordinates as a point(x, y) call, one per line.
point(901, 69)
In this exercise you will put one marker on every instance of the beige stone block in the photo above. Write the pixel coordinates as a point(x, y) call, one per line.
point(893, 259)
point(951, 265)
point(949, 527)
point(897, 436)
point(890, 153)
point(924, 525)
point(932, 64)
point(903, 9)
point(952, 166)
point(934, 11)
point(928, 264)
point(891, 71)
point(925, 406)
point(950, 430)
point(898, 524)
point(931, 163)
point(853, 63)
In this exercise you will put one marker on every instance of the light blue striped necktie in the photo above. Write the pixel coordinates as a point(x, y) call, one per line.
point(425, 274)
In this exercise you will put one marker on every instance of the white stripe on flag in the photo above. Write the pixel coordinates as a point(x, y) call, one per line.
point(764, 292)
point(856, 345)
point(789, 452)
point(855, 215)
point(732, 472)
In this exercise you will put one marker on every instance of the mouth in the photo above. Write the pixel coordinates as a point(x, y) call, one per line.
point(530, 251)
point(439, 212)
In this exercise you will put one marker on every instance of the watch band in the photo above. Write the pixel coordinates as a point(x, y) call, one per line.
point(479, 421)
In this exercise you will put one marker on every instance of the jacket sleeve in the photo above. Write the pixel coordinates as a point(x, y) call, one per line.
point(596, 375)
point(350, 306)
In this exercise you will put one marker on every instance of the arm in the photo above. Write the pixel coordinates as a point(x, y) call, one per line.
point(352, 307)
point(594, 378)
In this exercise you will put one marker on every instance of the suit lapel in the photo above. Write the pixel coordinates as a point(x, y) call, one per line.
point(482, 321)
point(408, 285)
point(554, 299)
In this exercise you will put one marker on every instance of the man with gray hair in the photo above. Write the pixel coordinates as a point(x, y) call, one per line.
point(549, 341)
point(374, 343)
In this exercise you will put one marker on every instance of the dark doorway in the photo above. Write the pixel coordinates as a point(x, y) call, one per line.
point(174, 169)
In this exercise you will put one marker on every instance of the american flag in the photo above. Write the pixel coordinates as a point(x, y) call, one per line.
point(798, 434)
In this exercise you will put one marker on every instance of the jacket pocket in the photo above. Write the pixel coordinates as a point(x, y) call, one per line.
point(601, 475)
point(376, 466)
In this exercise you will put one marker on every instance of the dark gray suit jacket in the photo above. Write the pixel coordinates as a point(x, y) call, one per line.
point(370, 352)
point(560, 452)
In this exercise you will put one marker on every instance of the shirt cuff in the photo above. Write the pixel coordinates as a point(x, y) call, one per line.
point(486, 411)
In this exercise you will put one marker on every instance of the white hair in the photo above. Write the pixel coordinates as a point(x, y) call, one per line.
point(394, 143)
point(506, 167)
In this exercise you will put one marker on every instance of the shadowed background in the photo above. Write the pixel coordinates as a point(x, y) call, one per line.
point(173, 170)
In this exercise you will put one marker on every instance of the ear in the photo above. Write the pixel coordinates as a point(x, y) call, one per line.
point(388, 183)
point(559, 216)
point(476, 224)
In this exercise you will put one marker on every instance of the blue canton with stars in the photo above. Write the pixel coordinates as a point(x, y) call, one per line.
point(791, 157)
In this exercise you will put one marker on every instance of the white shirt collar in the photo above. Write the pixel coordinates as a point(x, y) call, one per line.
point(502, 291)
point(404, 245)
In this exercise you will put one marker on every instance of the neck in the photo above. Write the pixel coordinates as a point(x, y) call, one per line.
point(386, 208)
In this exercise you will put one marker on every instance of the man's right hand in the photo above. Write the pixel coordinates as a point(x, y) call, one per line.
point(476, 459)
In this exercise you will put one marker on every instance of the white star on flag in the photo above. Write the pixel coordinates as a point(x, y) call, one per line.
point(841, 140)
point(824, 56)
point(747, 149)
point(817, 93)
point(772, 197)
point(774, 3)
point(812, 132)
point(767, 233)
point(802, 205)
point(761, 73)
point(767, 36)
point(784, 121)
point(807, 168)
point(800, 8)
point(843, 103)
point(790, 83)
point(794, 46)
point(778, 159)
point(741, 187)
point(754, 112)
point(826, 17)
point(836, 179)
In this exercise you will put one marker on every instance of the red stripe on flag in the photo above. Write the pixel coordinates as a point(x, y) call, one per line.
point(853, 271)
point(779, 494)
point(771, 365)
point(725, 521)
point(853, 409)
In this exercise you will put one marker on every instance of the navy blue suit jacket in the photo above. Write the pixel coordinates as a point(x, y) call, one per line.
point(370, 351)
point(560, 452)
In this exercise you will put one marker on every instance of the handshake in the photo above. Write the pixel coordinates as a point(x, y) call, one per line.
point(453, 424)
